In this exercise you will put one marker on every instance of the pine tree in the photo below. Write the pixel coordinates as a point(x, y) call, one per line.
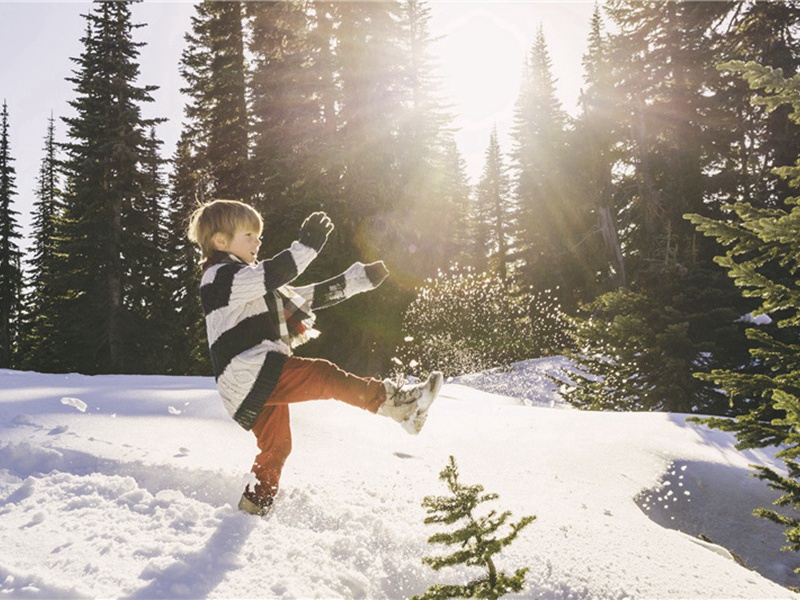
point(594, 148)
point(538, 162)
point(104, 223)
point(494, 217)
point(679, 310)
point(663, 59)
point(48, 208)
point(10, 255)
point(430, 184)
point(289, 138)
point(765, 32)
point(476, 537)
point(763, 257)
point(147, 304)
point(213, 66)
point(186, 329)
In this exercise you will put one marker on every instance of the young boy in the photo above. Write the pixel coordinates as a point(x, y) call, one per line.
point(254, 318)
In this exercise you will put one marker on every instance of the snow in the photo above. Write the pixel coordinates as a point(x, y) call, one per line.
point(126, 486)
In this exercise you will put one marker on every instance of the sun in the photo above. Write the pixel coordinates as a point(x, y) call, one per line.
point(480, 58)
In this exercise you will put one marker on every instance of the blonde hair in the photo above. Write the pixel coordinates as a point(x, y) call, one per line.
point(221, 216)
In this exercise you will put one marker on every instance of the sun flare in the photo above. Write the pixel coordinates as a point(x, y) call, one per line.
point(480, 59)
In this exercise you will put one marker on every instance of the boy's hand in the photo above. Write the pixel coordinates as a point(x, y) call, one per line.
point(376, 272)
point(315, 230)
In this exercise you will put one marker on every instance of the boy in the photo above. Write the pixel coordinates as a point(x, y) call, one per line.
point(254, 318)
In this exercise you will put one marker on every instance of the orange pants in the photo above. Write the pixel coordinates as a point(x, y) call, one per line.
point(303, 379)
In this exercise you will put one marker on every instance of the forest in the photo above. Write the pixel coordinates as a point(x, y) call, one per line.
point(598, 236)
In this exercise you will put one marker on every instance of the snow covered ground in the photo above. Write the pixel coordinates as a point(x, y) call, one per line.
point(121, 486)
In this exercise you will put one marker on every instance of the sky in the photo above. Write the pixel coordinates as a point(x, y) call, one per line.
point(480, 55)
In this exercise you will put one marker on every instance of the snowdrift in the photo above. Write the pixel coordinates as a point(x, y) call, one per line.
point(121, 486)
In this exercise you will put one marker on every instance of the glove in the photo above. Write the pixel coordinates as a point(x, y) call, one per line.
point(376, 272)
point(315, 230)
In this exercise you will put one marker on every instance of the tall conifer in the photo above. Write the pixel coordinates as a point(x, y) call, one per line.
point(494, 216)
point(595, 152)
point(213, 66)
point(538, 160)
point(186, 329)
point(10, 255)
point(107, 185)
point(40, 353)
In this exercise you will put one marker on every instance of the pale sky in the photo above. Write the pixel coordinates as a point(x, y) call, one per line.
point(480, 62)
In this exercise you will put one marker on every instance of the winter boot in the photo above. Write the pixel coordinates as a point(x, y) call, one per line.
point(250, 503)
point(408, 404)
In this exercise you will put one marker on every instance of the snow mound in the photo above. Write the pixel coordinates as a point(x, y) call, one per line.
point(528, 381)
point(132, 499)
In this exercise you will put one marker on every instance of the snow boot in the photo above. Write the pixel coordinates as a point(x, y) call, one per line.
point(408, 404)
point(250, 503)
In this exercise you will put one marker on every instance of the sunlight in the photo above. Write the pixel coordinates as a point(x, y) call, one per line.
point(481, 56)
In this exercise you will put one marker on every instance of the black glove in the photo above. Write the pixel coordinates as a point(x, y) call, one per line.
point(376, 272)
point(315, 230)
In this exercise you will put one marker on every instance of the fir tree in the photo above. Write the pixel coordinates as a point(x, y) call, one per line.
point(186, 329)
point(494, 216)
point(288, 136)
point(147, 304)
point(10, 255)
point(48, 208)
point(105, 222)
point(679, 310)
point(594, 148)
point(476, 537)
point(763, 257)
point(538, 162)
point(213, 66)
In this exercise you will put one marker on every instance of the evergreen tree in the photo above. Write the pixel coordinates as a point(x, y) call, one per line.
point(678, 311)
point(538, 161)
point(48, 208)
point(186, 328)
point(213, 66)
point(459, 205)
point(145, 298)
point(636, 351)
point(10, 255)
point(494, 216)
point(428, 176)
point(104, 225)
point(664, 57)
point(476, 537)
point(288, 136)
point(596, 153)
point(763, 257)
point(765, 32)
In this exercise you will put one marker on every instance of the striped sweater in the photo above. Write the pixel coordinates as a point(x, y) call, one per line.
point(254, 318)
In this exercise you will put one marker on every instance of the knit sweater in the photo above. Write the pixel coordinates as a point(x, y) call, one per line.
point(254, 318)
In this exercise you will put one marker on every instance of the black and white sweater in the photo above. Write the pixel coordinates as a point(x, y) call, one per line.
point(254, 318)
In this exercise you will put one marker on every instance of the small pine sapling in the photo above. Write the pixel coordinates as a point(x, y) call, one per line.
point(475, 535)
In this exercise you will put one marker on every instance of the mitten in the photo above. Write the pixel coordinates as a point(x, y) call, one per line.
point(315, 230)
point(376, 272)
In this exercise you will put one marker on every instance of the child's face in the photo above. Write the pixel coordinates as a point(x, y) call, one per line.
point(244, 244)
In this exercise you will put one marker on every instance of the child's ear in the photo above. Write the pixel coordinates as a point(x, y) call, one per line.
point(220, 241)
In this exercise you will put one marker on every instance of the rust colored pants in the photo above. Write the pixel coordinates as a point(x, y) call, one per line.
point(303, 379)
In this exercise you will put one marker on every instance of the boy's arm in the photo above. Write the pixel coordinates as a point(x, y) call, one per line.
point(357, 279)
point(284, 267)
point(238, 284)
